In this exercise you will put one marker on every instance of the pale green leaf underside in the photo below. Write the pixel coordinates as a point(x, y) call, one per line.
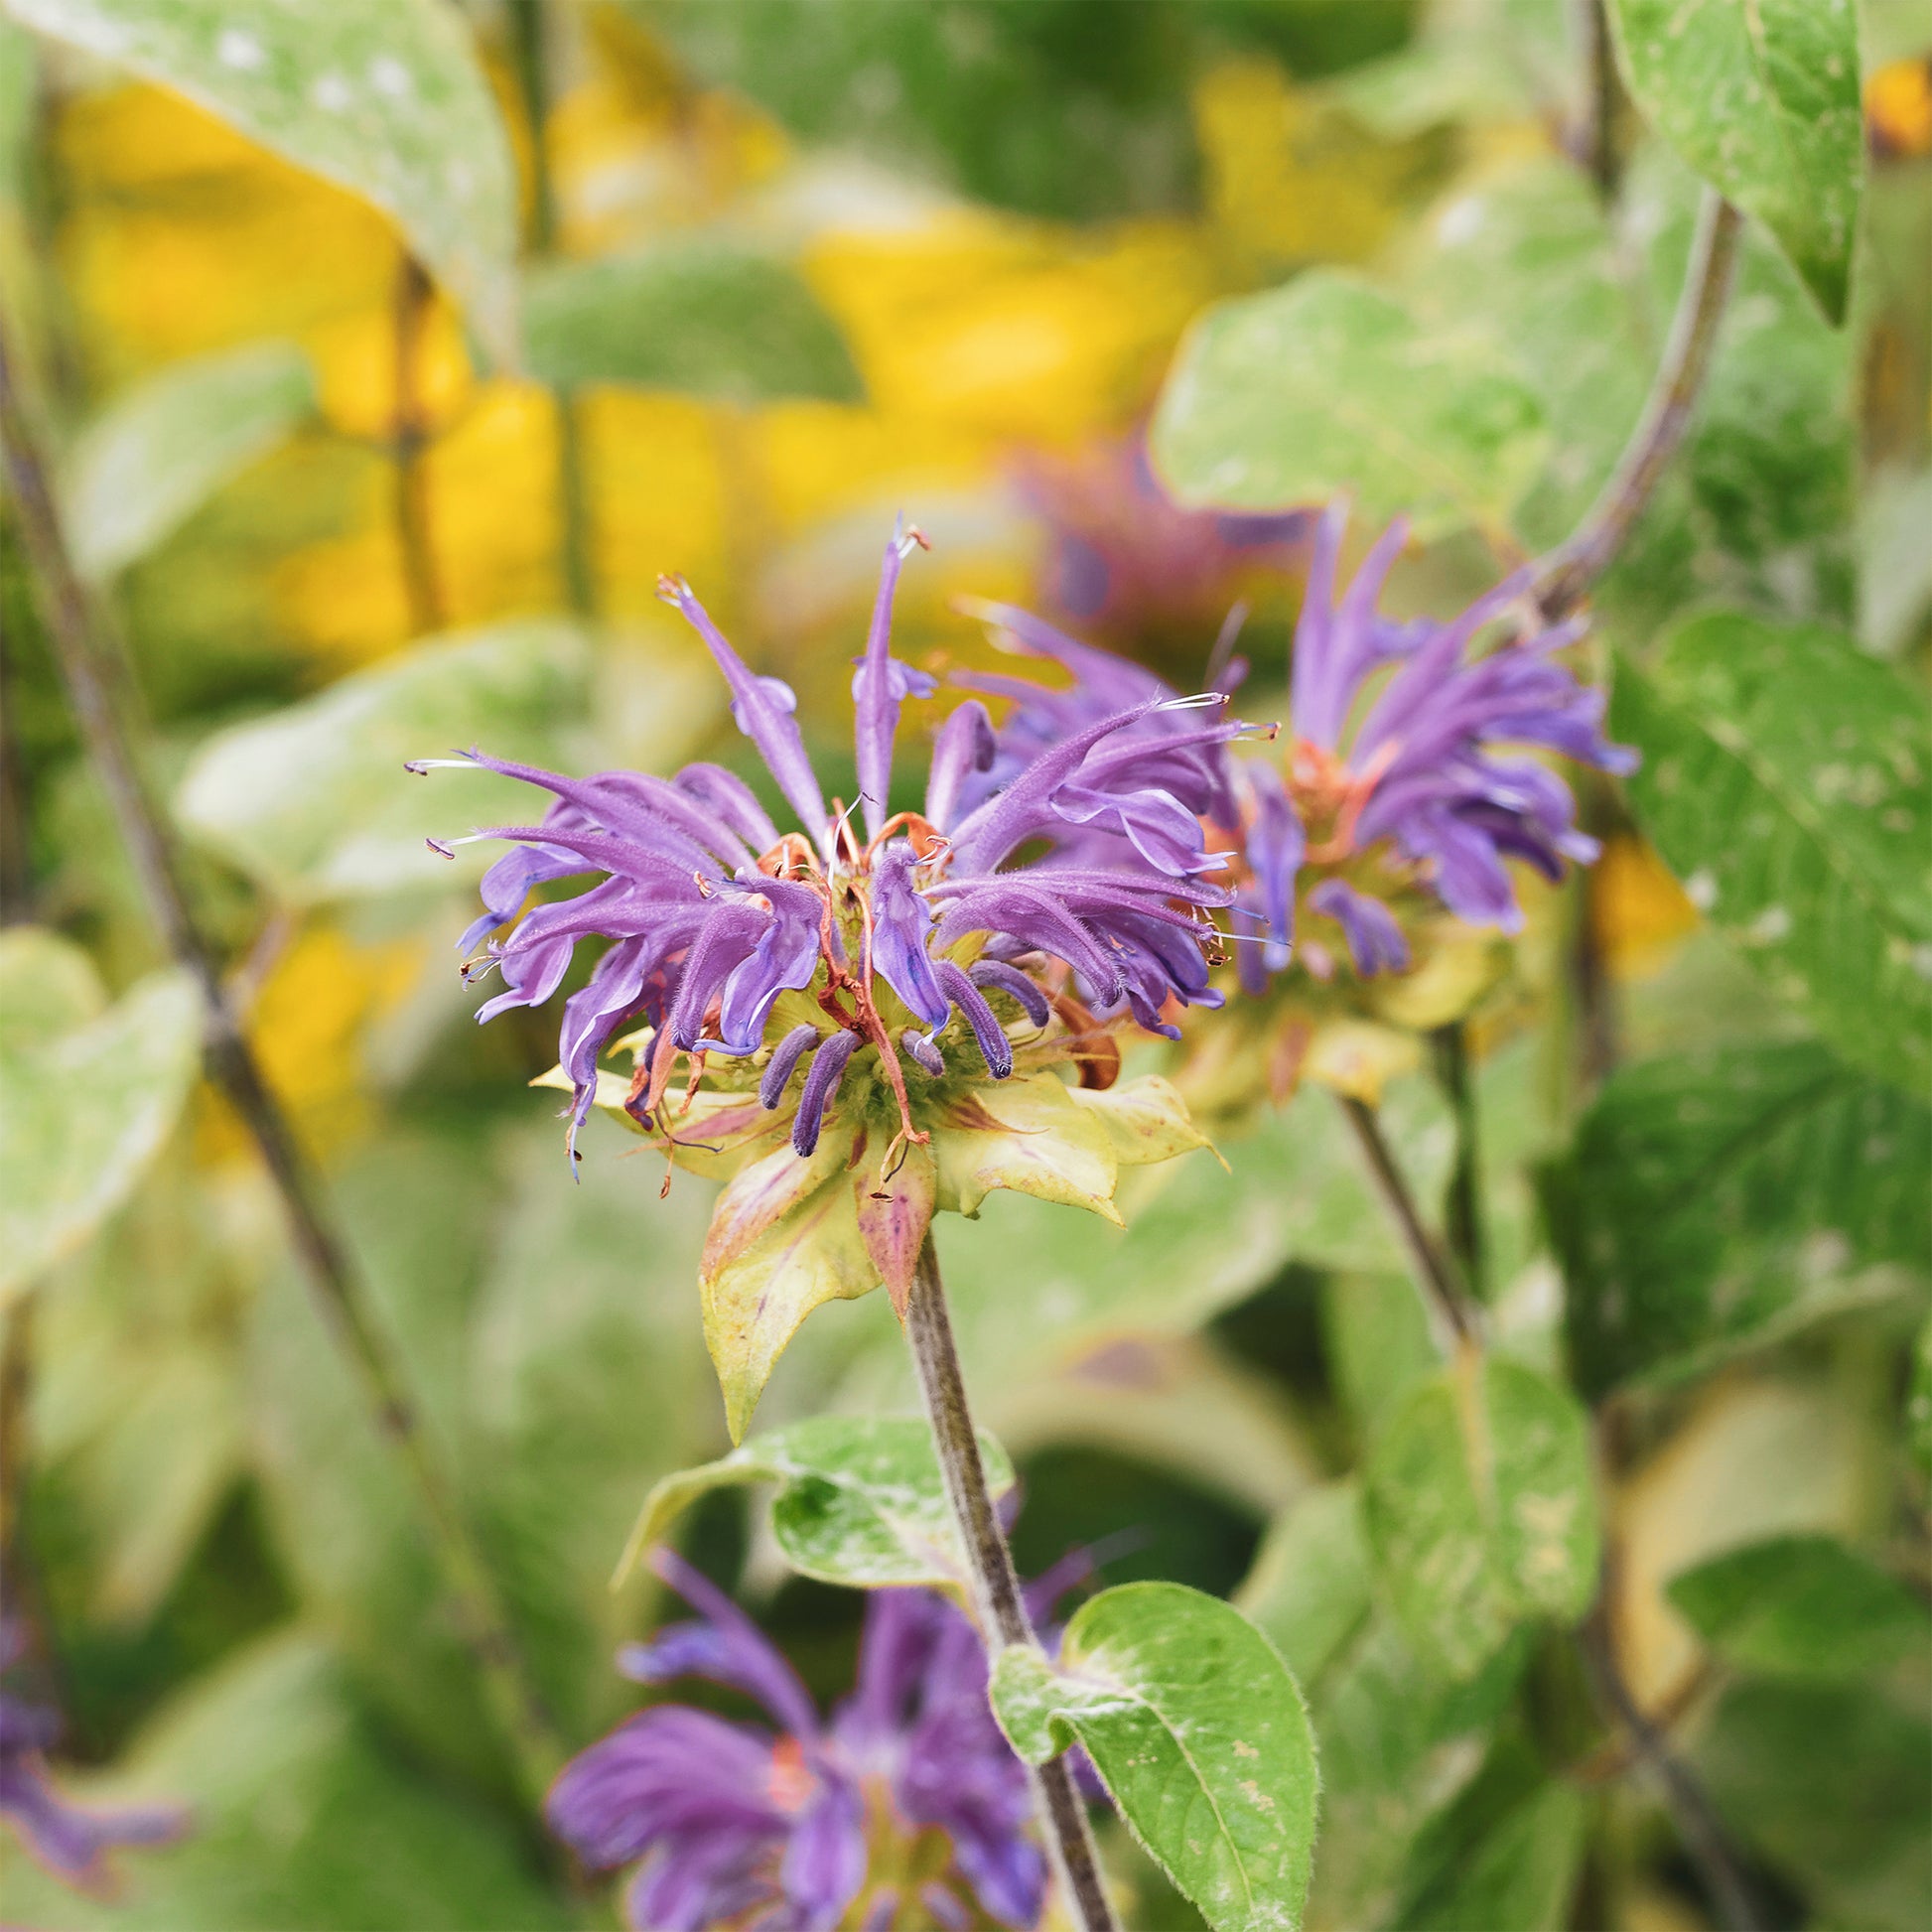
point(1330, 385)
point(151, 458)
point(1761, 99)
point(314, 803)
point(1785, 781)
point(860, 1500)
point(383, 97)
point(1199, 1734)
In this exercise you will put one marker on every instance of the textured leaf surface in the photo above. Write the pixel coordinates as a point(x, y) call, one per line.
point(1199, 1734)
point(1813, 762)
point(1719, 1198)
point(144, 465)
point(384, 97)
point(860, 1501)
point(1480, 1511)
point(1803, 1607)
point(1761, 99)
point(1309, 1589)
point(706, 317)
point(301, 1817)
point(314, 802)
point(84, 1102)
point(1327, 384)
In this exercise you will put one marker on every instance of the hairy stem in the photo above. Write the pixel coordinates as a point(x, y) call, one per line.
point(1002, 1609)
point(73, 629)
point(422, 586)
point(1692, 1814)
point(1441, 1290)
point(1568, 572)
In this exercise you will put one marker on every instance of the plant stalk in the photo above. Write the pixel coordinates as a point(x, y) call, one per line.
point(73, 622)
point(1442, 1289)
point(1448, 1051)
point(1593, 139)
point(995, 1583)
point(422, 586)
point(1568, 572)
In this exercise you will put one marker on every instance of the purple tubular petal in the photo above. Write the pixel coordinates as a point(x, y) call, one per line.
point(740, 1654)
point(727, 939)
point(825, 1862)
point(1375, 941)
point(965, 745)
point(784, 1061)
point(821, 1089)
point(71, 1840)
point(880, 686)
point(902, 926)
point(1010, 980)
point(1335, 650)
point(733, 800)
point(1276, 844)
point(994, 1044)
point(919, 1048)
point(762, 708)
point(783, 960)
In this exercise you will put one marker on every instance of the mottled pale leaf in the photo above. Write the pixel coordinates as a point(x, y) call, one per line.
point(1761, 99)
point(314, 803)
point(1327, 386)
point(709, 317)
point(1028, 1133)
point(384, 97)
point(1718, 1199)
point(1146, 1120)
point(1480, 1511)
point(301, 1815)
point(155, 454)
point(860, 1501)
point(1803, 1607)
point(1785, 781)
point(1309, 1589)
point(1199, 1734)
point(83, 1107)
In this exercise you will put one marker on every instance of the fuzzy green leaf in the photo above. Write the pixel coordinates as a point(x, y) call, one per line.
point(1328, 385)
point(1761, 99)
point(860, 1502)
point(1479, 1510)
point(1199, 1735)
point(1785, 781)
point(383, 97)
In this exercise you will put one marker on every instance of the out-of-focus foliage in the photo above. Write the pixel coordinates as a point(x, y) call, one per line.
point(752, 278)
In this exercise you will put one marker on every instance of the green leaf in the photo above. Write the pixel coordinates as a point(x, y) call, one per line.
point(1832, 1783)
point(383, 97)
point(1521, 1872)
point(1918, 1404)
point(1479, 1510)
point(860, 1502)
point(1309, 1589)
point(301, 1819)
point(84, 1102)
point(1803, 1607)
point(1722, 1198)
point(154, 455)
point(710, 317)
point(1813, 758)
point(314, 803)
point(1761, 99)
point(1328, 385)
point(1198, 1731)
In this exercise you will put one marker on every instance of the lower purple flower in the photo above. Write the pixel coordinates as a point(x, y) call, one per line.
point(811, 1825)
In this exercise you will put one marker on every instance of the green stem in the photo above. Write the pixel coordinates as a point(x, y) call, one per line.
point(422, 585)
point(1449, 1049)
point(73, 626)
point(996, 1583)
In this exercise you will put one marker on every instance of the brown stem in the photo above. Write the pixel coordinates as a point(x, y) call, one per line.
point(1568, 572)
point(1692, 1814)
point(1434, 1273)
point(995, 1583)
point(1448, 1049)
point(73, 624)
point(1593, 140)
point(421, 584)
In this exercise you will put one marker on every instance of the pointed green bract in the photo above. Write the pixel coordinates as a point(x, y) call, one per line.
point(1328, 385)
point(1761, 99)
point(1479, 1510)
point(383, 97)
point(860, 1500)
point(1199, 1734)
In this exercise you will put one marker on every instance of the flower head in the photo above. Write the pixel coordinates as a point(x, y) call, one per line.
point(71, 1841)
point(907, 1807)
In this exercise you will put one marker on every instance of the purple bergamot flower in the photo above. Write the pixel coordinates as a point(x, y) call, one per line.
point(907, 1807)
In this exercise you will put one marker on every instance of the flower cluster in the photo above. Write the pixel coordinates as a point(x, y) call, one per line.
point(71, 1841)
point(909, 1807)
point(1394, 790)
